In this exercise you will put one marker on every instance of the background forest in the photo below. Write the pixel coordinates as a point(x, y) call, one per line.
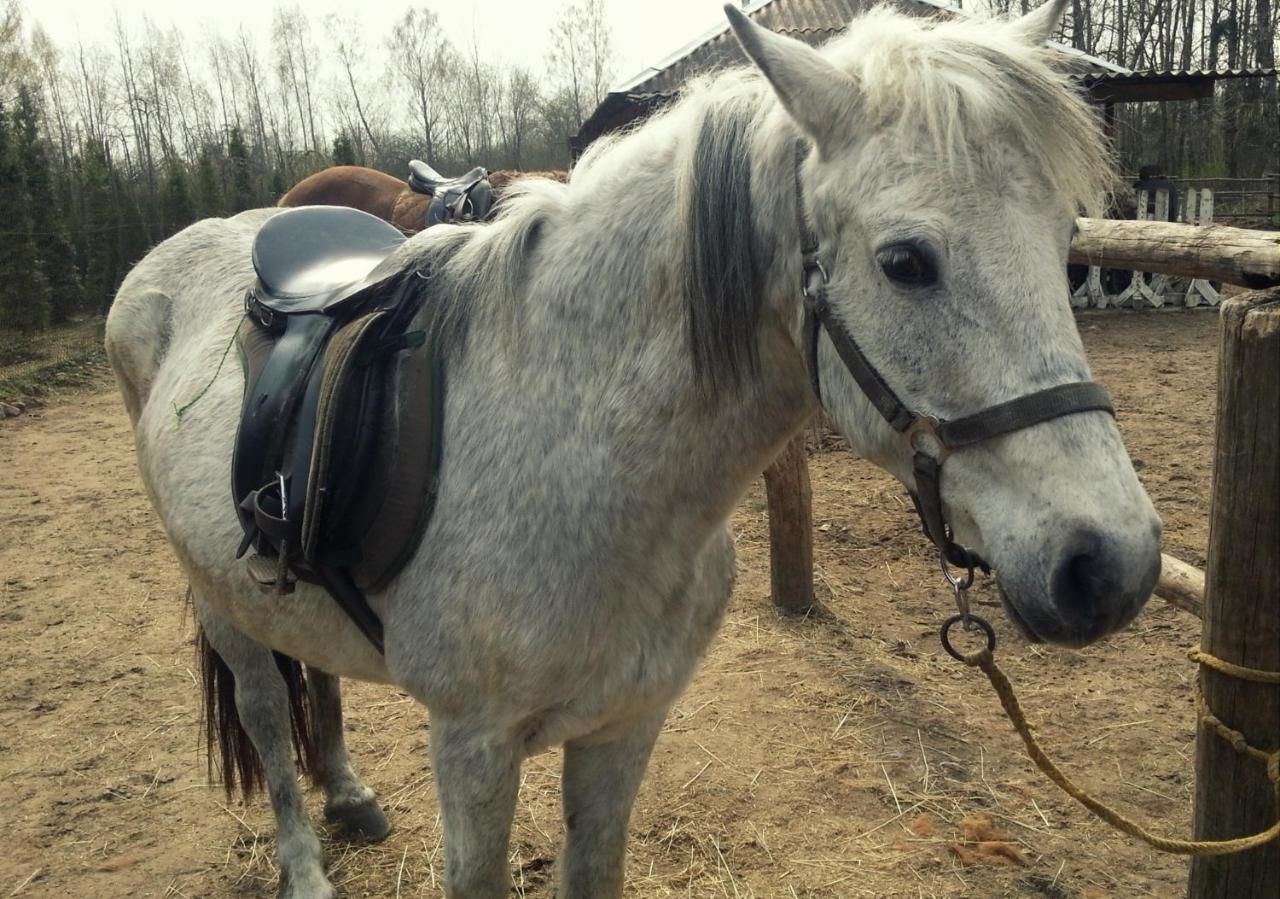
point(108, 146)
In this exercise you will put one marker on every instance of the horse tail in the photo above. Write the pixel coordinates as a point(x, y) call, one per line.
point(238, 758)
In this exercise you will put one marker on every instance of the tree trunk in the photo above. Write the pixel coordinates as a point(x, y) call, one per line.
point(1242, 604)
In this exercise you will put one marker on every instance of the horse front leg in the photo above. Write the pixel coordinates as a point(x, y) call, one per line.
point(602, 773)
point(347, 801)
point(262, 713)
point(477, 779)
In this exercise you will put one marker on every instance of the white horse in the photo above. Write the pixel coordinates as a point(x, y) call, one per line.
point(633, 358)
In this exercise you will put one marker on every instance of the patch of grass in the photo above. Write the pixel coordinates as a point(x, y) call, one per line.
point(58, 358)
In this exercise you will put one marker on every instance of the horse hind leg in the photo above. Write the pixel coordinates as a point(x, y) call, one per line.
point(349, 804)
point(136, 340)
point(256, 710)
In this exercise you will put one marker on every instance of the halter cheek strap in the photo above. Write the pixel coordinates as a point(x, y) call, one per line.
point(931, 439)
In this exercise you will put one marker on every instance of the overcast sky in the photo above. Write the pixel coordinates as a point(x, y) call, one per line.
point(516, 31)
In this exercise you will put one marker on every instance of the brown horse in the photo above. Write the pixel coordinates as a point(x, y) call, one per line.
point(383, 195)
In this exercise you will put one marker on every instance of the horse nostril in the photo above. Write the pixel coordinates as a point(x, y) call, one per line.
point(1088, 582)
point(1098, 581)
point(1076, 586)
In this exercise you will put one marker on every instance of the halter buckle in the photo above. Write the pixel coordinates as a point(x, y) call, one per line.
point(811, 263)
point(922, 434)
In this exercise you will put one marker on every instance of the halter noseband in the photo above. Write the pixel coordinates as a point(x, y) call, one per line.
point(931, 439)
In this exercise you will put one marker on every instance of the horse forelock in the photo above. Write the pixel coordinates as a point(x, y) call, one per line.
point(965, 85)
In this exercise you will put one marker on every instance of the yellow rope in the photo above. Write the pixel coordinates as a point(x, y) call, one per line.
point(986, 662)
point(1233, 670)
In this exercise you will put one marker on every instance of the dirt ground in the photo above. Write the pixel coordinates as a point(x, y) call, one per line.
point(842, 755)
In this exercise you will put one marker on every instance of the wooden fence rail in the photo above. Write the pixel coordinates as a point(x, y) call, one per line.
point(1212, 252)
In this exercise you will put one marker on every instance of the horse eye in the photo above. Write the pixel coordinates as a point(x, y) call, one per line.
point(907, 265)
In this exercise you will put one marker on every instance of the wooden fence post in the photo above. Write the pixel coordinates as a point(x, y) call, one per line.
point(1242, 603)
point(786, 484)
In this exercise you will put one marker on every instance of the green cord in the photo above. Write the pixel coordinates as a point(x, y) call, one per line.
point(182, 410)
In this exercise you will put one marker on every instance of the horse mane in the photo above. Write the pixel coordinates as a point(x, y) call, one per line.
point(722, 285)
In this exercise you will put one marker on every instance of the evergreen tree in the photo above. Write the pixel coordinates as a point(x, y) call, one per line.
point(278, 186)
point(48, 217)
point(179, 210)
point(24, 291)
point(133, 230)
point(343, 152)
point(208, 190)
point(100, 226)
point(241, 178)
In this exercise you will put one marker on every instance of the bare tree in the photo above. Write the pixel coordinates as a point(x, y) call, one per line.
point(517, 106)
point(295, 67)
point(581, 57)
point(422, 55)
point(348, 43)
point(16, 65)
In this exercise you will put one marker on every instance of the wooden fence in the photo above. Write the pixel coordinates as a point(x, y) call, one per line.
point(1140, 289)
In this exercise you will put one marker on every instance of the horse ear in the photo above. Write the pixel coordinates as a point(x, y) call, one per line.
point(1038, 26)
point(812, 90)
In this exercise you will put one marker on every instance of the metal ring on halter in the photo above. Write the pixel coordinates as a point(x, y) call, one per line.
point(956, 583)
point(951, 622)
point(814, 264)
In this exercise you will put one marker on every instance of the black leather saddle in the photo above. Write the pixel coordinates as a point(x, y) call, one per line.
point(468, 198)
point(331, 485)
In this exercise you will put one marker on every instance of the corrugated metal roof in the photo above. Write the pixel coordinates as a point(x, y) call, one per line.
point(1155, 75)
point(812, 21)
point(815, 22)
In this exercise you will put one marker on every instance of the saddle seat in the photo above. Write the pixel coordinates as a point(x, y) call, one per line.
point(338, 448)
point(314, 257)
point(467, 198)
point(426, 180)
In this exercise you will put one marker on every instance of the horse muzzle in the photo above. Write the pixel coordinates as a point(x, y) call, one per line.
point(1087, 585)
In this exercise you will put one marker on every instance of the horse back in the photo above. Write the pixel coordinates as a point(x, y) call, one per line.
point(179, 287)
point(348, 185)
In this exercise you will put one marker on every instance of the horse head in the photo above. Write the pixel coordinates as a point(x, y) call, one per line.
point(940, 171)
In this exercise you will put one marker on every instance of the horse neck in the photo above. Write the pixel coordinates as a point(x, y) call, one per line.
point(592, 326)
point(648, 175)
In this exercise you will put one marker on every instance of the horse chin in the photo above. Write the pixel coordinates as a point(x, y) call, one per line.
point(1011, 612)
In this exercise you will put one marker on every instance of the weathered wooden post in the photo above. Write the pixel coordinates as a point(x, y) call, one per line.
point(786, 484)
point(1242, 604)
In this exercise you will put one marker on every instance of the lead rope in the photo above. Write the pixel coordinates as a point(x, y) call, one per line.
point(984, 660)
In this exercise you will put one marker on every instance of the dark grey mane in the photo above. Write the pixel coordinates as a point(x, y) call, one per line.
point(722, 284)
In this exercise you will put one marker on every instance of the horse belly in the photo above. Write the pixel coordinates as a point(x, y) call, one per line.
point(552, 675)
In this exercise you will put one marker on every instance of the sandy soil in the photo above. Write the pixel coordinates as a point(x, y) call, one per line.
point(842, 755)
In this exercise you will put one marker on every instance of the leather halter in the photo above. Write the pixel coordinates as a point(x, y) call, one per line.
point(931, 439)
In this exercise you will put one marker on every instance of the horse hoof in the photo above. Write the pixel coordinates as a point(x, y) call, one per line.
point(362, 822)
point(306, 888)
